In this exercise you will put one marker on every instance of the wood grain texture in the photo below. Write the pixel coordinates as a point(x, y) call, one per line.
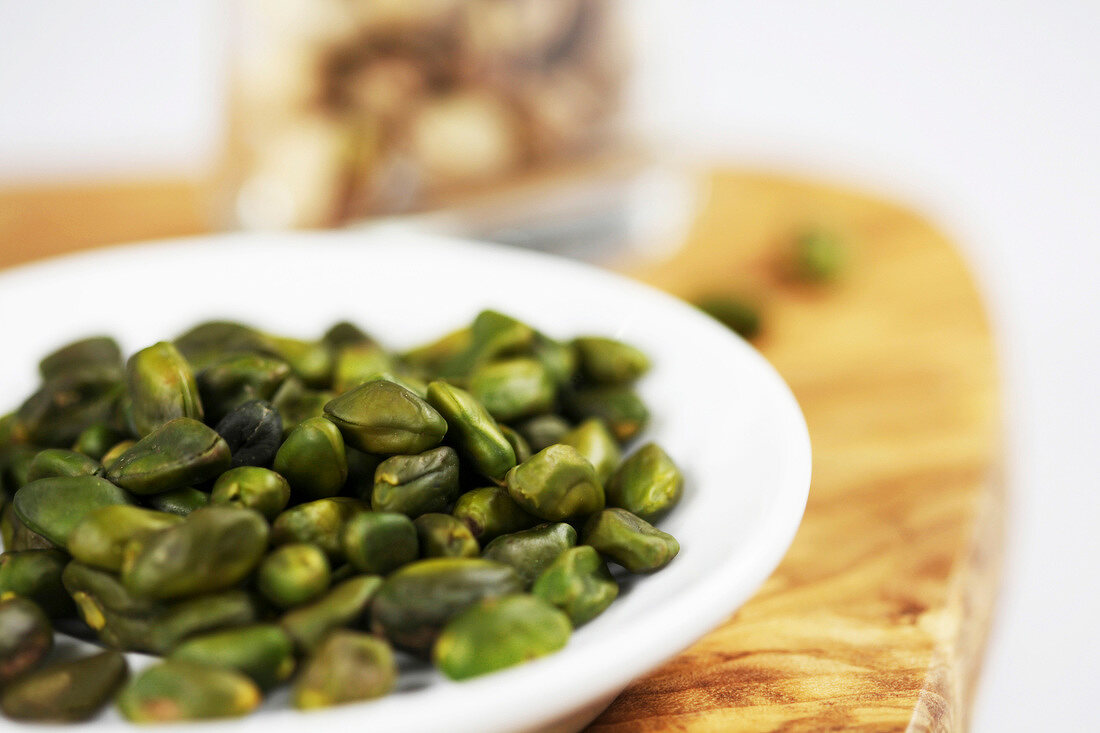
point(44, 220)
point(876, 618)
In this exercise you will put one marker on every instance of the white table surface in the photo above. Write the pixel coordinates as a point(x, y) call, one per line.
point(984, 114)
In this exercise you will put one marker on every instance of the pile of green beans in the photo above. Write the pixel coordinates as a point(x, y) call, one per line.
point(262, 510)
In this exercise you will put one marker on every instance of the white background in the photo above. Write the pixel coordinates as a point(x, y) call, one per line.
point(984, 114)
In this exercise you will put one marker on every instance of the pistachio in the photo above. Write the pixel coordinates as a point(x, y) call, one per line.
point(530, 551)
point(318, 522)
point(501, 632)
point(472, 430)
point(442, 535)
point(617, 405)
point(253, 431)
point(345, 333)
point(630, 541)
point(25, 637)
point(165, 626)
point(178, 501)
point(126, 621)
point(293, 574)
point(53, 462)
point(579, 583)
point(115, 451)
point(312, 361)
point(36, 576)
point(357, 363)
point(345, 606)
point(313, 460)
point(347, 667)
point(432, 357)
point(66, 691)
point(101, 537)
point(264, 652)
point(17, 536)
point(384, 417)
point(558, 359)
point(297, 402)
point(181, 452)
point(53, 507)
point(177, 690)
point(193, 616)
point(819, 256)
point(93, 352)
point(95, 440)
point(542, 431)
point(409, 381)
point(361, 469)
point(208, 342)
point(7, 531)
point(417, 484)
point(740, 316)
point(239, 378)
point(96, 590)
point(70, 402)
point(493, 335)
point(253, 488)
point(555, 484)
point(513, 388)
point(12, 431)
point(607, 361)
point(16, 467)
point(490, 512)
point(519, 444)
point(162, 387)
point(647, 484)
point(416, 601)
point(212, 549)
point(380, 542)
point(595, 442)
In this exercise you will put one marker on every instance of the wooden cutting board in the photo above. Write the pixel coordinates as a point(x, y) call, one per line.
point(877, 617)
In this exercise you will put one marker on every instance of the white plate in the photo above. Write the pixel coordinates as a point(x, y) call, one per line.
point(719, 409)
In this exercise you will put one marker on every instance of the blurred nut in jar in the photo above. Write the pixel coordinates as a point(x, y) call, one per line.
point(387, 87)
point(517, 30)
point(465, 137)
point(278, 81)
point(564, 113)
point(397, 16)
point(301, 175)
point(312, 22)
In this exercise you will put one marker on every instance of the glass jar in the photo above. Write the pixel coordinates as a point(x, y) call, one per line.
point(344, 109)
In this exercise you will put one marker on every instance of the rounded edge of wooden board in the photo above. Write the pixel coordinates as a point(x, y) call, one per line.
point(737, 240)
